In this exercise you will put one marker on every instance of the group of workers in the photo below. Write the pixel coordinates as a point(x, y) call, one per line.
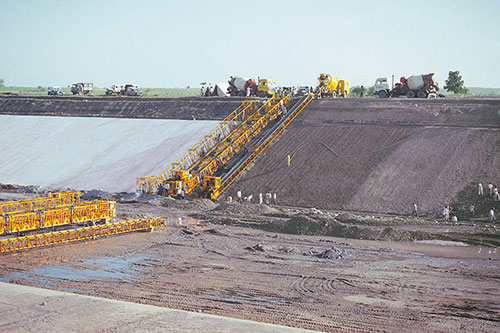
point(492, 192)
point(270, 198)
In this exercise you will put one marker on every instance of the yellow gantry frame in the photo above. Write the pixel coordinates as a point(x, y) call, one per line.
point(215, 187)
point(198, 150)
point(192, 178)
point(80, 212)
point(80, 234)
point(54, 200)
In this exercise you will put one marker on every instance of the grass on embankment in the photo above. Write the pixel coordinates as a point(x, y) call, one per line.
point(160, 92)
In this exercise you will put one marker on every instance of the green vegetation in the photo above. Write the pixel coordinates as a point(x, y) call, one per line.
point(160, 92)
point(455, 83)
point(356, 91)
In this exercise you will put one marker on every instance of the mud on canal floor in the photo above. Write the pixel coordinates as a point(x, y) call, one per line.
point(212, 258)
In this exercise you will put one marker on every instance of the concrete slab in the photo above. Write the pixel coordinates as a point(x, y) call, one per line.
point(29, 309)
point(91, 153)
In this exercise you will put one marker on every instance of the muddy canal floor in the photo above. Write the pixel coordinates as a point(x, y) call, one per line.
point(219, 263)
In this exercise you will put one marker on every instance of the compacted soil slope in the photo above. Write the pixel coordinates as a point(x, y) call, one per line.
point(380, 155)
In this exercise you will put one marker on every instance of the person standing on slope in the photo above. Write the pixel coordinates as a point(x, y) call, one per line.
point(446, 214)
point(490, 189)
point(492, 215)
point(479, 189)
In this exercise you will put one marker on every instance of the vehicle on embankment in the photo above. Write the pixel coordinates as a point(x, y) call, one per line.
point(420, 86)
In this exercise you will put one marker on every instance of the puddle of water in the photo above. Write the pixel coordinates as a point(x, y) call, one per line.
point(244, 298)
point(441, 242)
point(122, 268)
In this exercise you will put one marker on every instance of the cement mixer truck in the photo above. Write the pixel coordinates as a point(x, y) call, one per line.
point(421, 86)
point(330, 86)
point(238, 86)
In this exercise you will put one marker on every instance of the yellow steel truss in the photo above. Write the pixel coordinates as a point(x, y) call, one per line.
point(54, 200)
point(216, 187)
point(80, 234)
point(80, 212)
point(198, 150)
point(192, 178)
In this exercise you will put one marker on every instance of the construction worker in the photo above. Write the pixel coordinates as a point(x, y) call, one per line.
point(275, 202)
point(415, 209)
point(260, 199)
point(446, 214)
point(288, 160)
point(268, 198)
point(496, 197)
point(490, 189)
point(362, 92)
point(472, 209)
point(238, 195)
point(250, 197)
point(480, 189)
point(492, 215)
point(229, 198)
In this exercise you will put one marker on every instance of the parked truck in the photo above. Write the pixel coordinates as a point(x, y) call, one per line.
point(124, 90)
point(115, 89)
point(242, 86)
point(330, 86)
point(82, 88)
point(421, 86)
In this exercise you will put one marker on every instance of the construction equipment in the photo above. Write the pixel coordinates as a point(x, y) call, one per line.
point(154, 184)
point(421, 86)
point(242, 86)
point(80, 212)
point(54, 91)
point(215, 185)
point(331, 86)
point(53, 200)
point(187, 176)
point(82, 88)
point(80, 234)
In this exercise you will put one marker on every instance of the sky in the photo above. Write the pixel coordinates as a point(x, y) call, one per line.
point(167, 43)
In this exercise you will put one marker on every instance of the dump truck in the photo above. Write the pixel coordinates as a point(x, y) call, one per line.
point(330, 86)
point(130, 90)
point(421, 86)
point(82, 88)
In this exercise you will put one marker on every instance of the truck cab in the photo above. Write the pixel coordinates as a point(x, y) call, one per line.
point(266, 88)
point(383, 87)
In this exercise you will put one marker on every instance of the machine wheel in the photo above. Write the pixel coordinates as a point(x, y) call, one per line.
point(382, 94)
point(334, 94)
point(421, 94)
point(411, 94)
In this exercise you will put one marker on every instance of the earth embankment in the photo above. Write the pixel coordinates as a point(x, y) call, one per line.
point(188, 108)
point(380, 155)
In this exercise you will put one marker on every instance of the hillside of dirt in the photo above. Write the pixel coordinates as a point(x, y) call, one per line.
point(186, 108)
point(380, 155)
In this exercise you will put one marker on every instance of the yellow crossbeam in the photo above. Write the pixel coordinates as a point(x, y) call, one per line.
point(80, 234)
